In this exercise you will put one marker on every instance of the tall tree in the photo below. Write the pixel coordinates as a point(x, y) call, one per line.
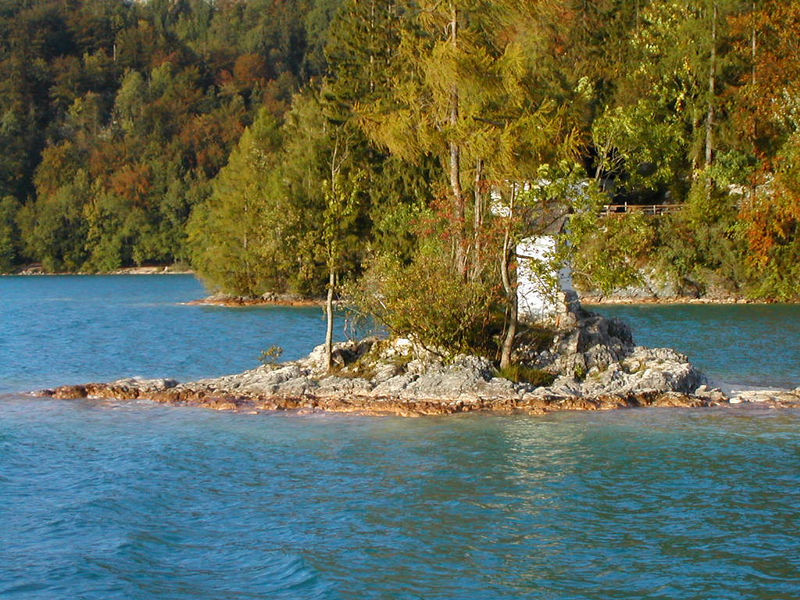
point(664, 125)
point(237, 237)
point(341, 209)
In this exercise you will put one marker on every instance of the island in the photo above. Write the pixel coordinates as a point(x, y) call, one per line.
point(586, 362)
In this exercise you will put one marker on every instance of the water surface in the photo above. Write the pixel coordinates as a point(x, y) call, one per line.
point(72, 329)
point(107, 500)
point(104, 500)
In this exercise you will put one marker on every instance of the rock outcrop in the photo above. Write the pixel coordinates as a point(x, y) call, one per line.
point(596, 356)
point(268, 299)
point(584, 362)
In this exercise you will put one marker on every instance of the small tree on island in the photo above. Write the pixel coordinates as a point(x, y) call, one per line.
point(341, 194)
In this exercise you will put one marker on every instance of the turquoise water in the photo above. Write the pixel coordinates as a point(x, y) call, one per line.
point(104, 500)
point(73, 329)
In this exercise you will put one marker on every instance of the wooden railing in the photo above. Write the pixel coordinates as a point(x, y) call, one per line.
point(618, 210)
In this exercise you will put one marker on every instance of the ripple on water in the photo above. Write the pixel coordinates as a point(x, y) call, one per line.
point(150, 501)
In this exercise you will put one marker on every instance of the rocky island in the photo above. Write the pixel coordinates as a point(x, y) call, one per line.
point(584, 362)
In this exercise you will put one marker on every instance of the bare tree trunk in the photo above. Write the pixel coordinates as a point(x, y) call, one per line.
point(455, 158)
point(329, 320)
point(331, 269)
point(508, 286)
point(371, 28)
point(511, 298)
point(753, 70)
point(477, 220)
point(754, 140)
point(455, 169)
point(712, 77)
point(753, 45)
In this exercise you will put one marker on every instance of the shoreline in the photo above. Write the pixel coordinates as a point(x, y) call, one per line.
point(590, 363)
point(272, 299)
point(231, 301)
point(228, 400)
point(34, 271)
point(676, 301)
point(207, 395)
point(244, 302)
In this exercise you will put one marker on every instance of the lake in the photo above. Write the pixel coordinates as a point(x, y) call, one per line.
point(104, 500)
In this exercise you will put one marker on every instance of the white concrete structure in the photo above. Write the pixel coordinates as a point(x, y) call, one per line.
point(538, 280)
point(541, 283)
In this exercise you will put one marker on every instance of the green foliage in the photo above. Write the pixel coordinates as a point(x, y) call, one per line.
point(237, 237)
point(122, 125)
point(702, 247)
point(427, 301)
point(271, 356)
point(339, 217)
point(644, 141)
point(54, 228)
point(610, 258)
point(147, 99)
point(701, 244)
point(9, 234)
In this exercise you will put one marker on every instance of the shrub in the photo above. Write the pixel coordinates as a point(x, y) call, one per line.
point(428, 301)
point(271, 356)
point(609, 258)
point(700, 244)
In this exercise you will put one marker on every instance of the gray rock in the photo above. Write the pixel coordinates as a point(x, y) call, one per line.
point(589, 356)
point(336, 386)
point(771, 397)
point(394, 386)
point(464, 376)
point(146, 385)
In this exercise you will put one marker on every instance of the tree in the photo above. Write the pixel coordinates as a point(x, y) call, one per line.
point(470, 90)
point(9, 234)
point(54, 228)
point(237, 238)
point(341, 205)
point(363, 41)
point(664, 125)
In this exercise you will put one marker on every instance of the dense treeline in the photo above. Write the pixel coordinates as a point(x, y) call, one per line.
point(116, 116)
point(294, 145)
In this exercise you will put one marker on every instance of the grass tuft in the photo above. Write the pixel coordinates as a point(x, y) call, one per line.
point(523, 374)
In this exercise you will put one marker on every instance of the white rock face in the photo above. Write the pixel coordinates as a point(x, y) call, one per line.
point(538, 282)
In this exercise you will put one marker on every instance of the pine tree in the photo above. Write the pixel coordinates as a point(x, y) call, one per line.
point(238, 237)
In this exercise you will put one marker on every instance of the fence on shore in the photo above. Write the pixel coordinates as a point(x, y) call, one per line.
point(618, 210)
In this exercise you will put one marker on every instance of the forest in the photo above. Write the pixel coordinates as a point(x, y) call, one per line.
point(349, 146)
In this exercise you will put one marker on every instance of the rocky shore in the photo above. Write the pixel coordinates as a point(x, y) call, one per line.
point(38, 269)
point(615, 299)
point(657, 287)
point(584, 362)
point(269, 299)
